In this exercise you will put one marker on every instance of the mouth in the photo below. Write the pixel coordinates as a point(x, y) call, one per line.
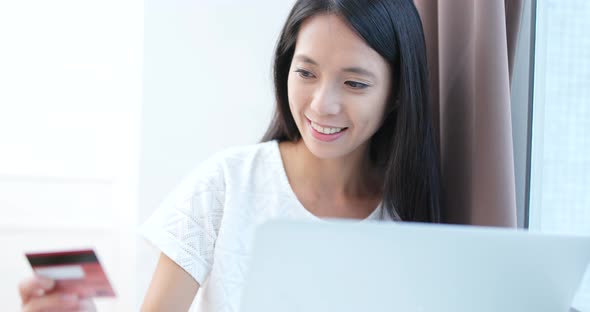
point(325, 129)
point(325, 133)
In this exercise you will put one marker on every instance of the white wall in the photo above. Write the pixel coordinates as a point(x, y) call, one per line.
point(207, 86)
point(70, 92)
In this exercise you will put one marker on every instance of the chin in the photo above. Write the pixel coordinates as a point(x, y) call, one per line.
point(323, 150)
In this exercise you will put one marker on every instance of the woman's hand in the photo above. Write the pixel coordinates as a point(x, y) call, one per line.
point(37, 295)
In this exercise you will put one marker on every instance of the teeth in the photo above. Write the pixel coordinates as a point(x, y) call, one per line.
point(325, 130)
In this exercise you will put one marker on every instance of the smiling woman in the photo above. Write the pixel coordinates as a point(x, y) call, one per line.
point(355, 92)
point(338, 94)
point(351, 137)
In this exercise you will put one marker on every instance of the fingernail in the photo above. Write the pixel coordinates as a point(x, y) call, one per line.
point(86, 305)
point(40, 292)
point(47, 284)
point(70, 298)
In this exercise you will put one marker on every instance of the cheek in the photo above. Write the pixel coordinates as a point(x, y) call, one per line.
point(368, 117)
point(296, 94)
point(291, 91)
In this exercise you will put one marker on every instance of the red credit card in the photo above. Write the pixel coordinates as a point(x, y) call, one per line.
point(74, 271)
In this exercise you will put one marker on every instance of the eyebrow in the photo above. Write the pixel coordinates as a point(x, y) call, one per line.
point(354, 70)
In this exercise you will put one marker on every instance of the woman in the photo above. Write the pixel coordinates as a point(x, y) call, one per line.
point(351, 137)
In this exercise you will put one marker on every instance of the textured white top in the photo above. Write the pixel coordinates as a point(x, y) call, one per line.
point(207, 223)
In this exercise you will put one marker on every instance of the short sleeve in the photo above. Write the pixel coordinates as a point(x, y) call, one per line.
point(186, 225)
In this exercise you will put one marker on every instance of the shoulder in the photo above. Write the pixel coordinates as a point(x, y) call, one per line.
point(235, 166)
point(246, 154)
point(245, 159)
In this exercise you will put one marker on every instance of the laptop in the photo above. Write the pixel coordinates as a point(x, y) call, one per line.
point(411, 267)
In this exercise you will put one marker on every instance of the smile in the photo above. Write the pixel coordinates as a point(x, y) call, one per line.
point(325, 133)
point(325, 130)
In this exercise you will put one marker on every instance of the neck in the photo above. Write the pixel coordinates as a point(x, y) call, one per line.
point(350, 176)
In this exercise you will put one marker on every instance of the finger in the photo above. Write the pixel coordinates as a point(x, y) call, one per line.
point(75, 309)
point(87, 305)
point(34, 286)
point(58, 301)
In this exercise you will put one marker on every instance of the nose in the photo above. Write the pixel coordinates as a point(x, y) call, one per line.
point(326, 100)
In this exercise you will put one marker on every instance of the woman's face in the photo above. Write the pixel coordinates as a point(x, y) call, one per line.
point(338, 87)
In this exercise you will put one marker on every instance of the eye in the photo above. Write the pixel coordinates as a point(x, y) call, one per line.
point(356, 85)
point(304, 74)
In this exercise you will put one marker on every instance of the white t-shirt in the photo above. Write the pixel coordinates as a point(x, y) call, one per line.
point(207, 223)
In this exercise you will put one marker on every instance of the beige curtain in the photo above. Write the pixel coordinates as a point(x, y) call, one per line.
point(471, 47)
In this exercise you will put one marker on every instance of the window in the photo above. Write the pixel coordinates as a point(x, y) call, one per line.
point(560, 151)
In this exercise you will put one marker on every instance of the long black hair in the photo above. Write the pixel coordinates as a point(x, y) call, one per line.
point(404, 146)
